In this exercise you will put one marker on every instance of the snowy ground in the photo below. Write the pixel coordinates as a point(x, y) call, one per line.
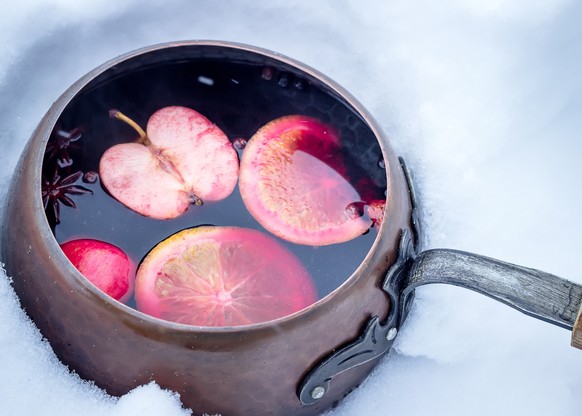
point(482, 97)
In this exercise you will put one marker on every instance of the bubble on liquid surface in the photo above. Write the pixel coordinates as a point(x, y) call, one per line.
point(283, 80)
point(90, 177)
point(355, 210)
point(267, 73)
point(240, 143)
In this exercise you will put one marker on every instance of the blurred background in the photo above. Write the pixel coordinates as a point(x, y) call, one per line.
point(482, 98)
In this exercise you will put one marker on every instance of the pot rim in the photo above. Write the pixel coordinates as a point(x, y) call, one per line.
point(47, 124)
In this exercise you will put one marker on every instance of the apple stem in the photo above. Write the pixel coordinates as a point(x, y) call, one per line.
point(143, 137)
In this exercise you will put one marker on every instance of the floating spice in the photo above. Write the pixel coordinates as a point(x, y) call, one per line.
point(56, 191)
point(58, 146)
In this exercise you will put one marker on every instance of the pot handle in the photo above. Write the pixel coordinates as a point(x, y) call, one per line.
point(535, 293)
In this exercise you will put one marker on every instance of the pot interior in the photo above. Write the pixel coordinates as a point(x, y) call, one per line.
point(240, 91)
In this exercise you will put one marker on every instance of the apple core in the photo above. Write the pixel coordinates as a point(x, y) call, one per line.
point(183, 159)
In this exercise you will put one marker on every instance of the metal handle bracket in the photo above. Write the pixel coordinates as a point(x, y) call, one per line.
point(376, 339)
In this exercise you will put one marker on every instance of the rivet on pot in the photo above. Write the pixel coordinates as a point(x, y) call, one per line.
point(318, 392)
point(392, 332)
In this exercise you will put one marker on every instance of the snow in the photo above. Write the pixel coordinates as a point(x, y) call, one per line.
point(482, 98)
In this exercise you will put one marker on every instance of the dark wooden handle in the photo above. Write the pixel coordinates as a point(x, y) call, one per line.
point(577, 331)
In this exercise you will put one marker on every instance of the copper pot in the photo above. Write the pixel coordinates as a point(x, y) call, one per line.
point(301, 364)
point(231, 371)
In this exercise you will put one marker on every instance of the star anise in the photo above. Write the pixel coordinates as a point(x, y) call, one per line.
point(59, 146)
point(55, 190)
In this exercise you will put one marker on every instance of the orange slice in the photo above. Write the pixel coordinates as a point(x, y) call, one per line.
point(293, 182)
point(222, 276)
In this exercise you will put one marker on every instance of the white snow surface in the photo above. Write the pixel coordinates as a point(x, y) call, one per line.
point(482, 97)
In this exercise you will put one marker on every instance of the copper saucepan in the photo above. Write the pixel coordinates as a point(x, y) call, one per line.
point(301, 364)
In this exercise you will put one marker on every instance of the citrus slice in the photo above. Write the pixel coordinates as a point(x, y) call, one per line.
point(293, 182)
point(222, 276)
point(183, 159)
point(103, 264)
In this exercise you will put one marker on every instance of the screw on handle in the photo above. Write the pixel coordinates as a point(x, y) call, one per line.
point(535, 293)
